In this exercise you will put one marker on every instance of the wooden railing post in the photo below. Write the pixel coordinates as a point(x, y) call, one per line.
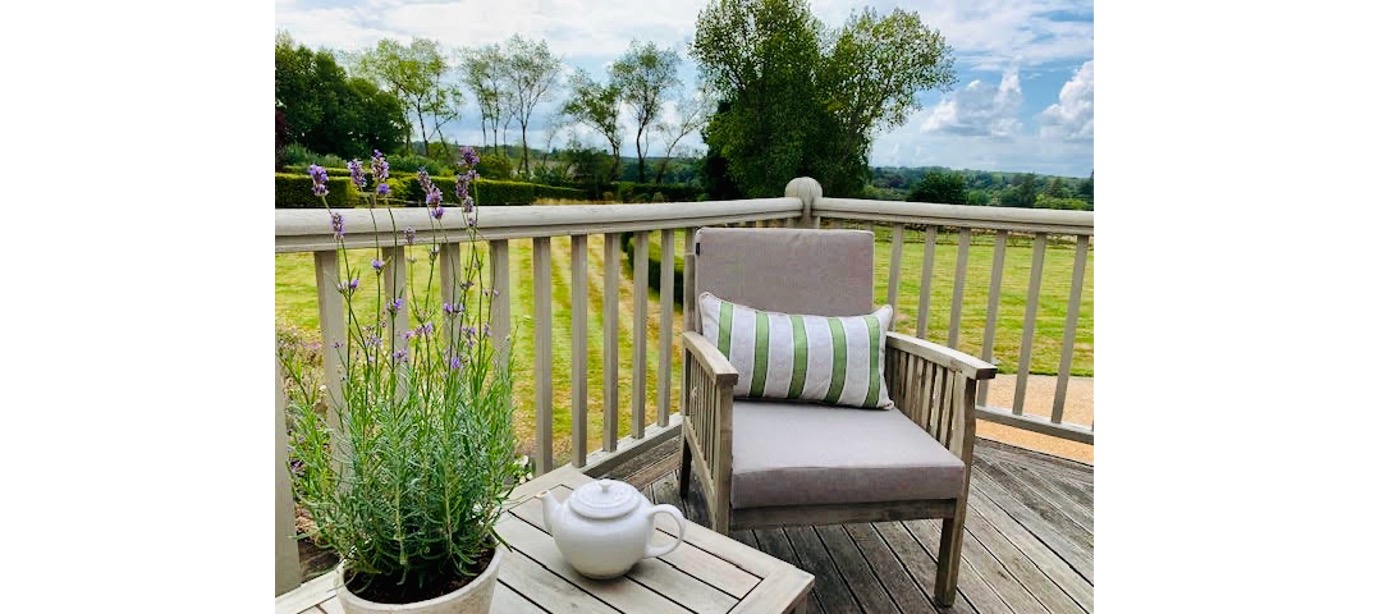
point(641, 305)
point(578, 348)
point(544, 361)
point(611, 300)
point(288, 566)
point(807, 190)
point(666, 325)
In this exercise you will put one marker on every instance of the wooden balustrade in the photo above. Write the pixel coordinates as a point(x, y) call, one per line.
point(964, 221)
point(308, 230)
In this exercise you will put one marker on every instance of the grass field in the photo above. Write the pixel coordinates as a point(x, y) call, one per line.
point(296, 305)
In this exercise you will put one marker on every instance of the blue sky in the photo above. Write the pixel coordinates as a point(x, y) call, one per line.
point(1024, 99)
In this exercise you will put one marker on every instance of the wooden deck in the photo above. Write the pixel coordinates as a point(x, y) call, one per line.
point(1029, 544)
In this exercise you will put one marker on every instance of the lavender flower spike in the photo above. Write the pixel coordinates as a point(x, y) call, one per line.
point(356, 173)
point(470, 156)
point(410, 235)
point(394, 305)
point(318, 179)
point(377, 265)
point(380, 167)
point(337, 222)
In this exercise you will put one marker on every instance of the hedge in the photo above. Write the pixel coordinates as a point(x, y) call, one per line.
point(294, 192)
point(644, 192)
point(549, 191)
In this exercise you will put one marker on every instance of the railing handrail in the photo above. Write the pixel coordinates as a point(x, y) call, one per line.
point(308, 230)
point(1052, 221)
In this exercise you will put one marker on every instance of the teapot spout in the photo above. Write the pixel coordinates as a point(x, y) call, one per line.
point(550, 507)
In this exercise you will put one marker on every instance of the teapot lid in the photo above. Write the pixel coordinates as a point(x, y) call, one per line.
point(605, 499)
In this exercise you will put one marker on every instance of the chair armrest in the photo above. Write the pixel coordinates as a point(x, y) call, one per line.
point(935, 387)
point(708, 382)
point(942, 355)
point(711, 359)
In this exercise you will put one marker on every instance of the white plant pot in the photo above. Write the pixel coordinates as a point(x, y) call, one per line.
point(474, 598)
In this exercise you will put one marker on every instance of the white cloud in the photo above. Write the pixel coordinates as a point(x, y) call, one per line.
point(980, 109)
point(572, 28)
point(1072, 117)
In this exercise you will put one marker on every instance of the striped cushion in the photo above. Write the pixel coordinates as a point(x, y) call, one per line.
point(835, 360)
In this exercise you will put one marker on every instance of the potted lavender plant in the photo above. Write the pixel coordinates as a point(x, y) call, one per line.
point(404, 476)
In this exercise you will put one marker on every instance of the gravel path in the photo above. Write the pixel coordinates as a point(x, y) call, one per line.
point(1079, 409)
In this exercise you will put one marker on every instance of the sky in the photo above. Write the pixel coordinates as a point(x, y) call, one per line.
point(1023, 101)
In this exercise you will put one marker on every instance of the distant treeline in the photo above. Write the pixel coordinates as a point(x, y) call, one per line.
point(936, 184)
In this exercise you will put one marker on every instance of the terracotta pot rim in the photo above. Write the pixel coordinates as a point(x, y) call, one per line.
point(490, 572)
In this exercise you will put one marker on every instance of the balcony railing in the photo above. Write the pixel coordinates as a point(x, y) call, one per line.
point(803, 205)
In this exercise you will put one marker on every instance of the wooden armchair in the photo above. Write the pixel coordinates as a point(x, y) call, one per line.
point(809, 464)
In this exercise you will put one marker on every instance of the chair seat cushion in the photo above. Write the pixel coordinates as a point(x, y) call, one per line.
point(803, 454)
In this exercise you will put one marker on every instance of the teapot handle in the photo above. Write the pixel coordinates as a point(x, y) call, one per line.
point(678, 517)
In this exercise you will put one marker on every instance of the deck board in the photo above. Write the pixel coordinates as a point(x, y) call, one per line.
point(1028, 546)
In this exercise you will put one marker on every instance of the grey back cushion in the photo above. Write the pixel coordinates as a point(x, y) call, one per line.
point(788, 270)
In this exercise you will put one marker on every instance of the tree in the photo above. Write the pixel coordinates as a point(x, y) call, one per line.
point(646, 76)
point(1057, 189)
point(415, 74)
point(483, 69)
point(596, 106)
point(530, 71)
point(1087, 189)
point(1023, 193)
point(803, 100)
point(326, 111)
point(940, 187)
point(874, 72)
point(691, 114)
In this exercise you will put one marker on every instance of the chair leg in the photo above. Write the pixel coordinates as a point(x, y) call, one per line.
point(685, 466)
point(949, 558)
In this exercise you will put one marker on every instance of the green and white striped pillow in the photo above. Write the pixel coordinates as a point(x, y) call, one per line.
point(834, 360)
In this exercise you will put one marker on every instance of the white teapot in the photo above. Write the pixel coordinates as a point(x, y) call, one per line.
point(603, 528)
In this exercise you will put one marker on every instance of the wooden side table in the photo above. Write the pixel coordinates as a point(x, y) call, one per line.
point(709, 572)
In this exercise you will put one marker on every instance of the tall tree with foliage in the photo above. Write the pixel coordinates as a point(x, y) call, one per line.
point(483, 72)
point(647, 77)
point(531, 72)
point(803, 100)
point(415, 74)
point(940, 187)
point(596, 105)
point(325, 110)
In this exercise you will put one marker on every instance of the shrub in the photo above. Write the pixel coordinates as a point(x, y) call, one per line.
point(411, 164)
point(629, 192)
point(294, 154)
point(293, 191)
point(495, 165)
point(659, 197)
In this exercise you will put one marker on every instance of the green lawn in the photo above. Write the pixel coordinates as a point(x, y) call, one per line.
point(296, 305)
